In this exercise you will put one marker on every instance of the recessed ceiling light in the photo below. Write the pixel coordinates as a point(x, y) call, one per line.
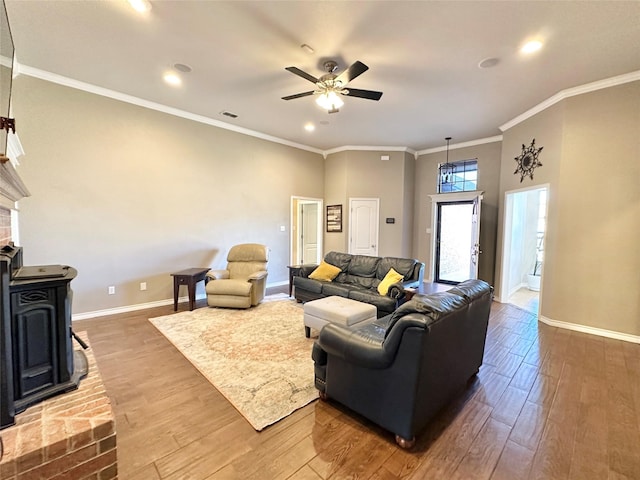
point(309, 127)
point(172, 79)
point(140, 5)
point(531, 47)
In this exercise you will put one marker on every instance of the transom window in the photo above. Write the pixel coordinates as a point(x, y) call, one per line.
point(460, 176)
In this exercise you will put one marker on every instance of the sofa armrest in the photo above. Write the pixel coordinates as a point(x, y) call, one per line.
point(305, 270)
point(217, 274)
point(369, 344)
point(397, 290)
point(257, 275)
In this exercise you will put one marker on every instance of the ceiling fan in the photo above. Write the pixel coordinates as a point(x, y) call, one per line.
point(331, 86)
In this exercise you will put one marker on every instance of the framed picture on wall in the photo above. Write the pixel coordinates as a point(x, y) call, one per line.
point(334, 218)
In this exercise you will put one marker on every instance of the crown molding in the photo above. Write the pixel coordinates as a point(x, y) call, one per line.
point(454, 146)
point(123, 97)
point(367, 148)
point(87, 87)
point(571, 92)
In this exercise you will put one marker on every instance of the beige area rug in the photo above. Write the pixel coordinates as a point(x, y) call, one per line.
point(258, 358)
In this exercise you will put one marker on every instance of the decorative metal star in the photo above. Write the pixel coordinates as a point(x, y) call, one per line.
point(528, 160)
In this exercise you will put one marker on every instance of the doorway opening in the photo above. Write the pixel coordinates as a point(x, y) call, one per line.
point(525, 225)
point(455, 241)
point(306, 230)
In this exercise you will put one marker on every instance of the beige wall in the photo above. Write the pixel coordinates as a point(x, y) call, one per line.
point(591, 159)
point(597, 277)
point(488, 156)
point(128, 195)
point(335, 193)
point(547, 128)
point(362, 174)
point(408, 204)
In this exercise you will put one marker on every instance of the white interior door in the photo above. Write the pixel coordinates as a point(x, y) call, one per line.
point(363, 226)
point(306, 230)
point(309, 232)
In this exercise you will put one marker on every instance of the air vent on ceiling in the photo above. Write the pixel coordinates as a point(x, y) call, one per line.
point(229, 114)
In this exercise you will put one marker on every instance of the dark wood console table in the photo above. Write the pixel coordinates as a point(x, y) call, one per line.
point(294, 271)
point(189, 277)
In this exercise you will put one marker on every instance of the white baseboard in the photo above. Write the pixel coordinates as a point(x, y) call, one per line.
point(601, 332)
point(141, 306)
point(129, 308)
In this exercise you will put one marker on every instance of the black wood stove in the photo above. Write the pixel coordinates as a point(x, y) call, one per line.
point(37, 360)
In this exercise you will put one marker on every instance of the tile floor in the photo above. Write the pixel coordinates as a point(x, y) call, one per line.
point(526, 299)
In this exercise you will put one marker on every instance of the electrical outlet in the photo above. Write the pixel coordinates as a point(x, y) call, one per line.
point(112, 290)
point(143, 286)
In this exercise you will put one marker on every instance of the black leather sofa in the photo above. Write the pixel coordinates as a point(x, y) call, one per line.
point(400, 370)
point(359, 279)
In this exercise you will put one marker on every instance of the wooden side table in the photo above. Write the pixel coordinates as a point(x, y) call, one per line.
point(294, 271)
point(409, 293)
point(189, 277)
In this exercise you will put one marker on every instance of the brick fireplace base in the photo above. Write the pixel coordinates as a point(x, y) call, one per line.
point(70, 436)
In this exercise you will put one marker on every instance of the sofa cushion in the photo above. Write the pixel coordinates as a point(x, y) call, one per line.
point(325, 272)
point(383, 304)
point(389, 279)
point(404, 266)
point(228, 287)
point(336, 289)
point(340, 260)
point(433, 307)
point(363, 266)
point(471, 289)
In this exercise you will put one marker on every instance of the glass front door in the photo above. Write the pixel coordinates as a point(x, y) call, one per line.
point(456, 241)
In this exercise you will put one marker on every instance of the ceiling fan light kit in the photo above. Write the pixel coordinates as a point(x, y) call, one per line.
point(330, 101)
point(330, 86)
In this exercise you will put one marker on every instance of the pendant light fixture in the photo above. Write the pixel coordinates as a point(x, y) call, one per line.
point(446, 170)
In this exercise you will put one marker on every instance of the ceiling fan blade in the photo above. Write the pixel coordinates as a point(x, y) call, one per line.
point(368, 94)
point(300, 73)
point(355, 70)
point(298, 95)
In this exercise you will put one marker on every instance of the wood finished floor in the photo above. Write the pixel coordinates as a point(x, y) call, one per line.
point(547, 404)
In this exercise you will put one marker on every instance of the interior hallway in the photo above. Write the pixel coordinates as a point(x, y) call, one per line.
point(526, 299)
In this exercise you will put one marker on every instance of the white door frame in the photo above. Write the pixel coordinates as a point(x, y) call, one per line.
point(507, 222)
point(376, 223)
point(294, 238)
point(446, 198)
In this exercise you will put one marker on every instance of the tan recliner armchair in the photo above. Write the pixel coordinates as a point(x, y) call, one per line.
point(244, 282)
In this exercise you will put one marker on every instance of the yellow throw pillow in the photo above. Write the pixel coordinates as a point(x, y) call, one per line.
point(325, 272)
point(389, 279)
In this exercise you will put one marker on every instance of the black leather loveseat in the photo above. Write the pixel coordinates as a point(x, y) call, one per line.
point(400, 370)
point(359, 278)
